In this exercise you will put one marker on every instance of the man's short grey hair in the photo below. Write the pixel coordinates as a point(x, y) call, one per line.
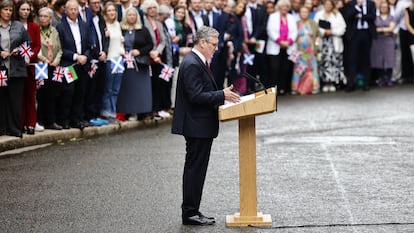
point(205, 33)
point(48, 11)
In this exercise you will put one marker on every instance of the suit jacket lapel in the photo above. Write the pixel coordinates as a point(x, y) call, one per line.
point(204, 67)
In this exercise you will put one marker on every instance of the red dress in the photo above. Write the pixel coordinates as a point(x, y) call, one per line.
point(29, 114)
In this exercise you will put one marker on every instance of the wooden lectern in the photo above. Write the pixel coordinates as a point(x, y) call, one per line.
point(246, 111)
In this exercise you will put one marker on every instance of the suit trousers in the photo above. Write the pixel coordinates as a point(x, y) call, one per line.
point(359, 50)
point(11, 106)
point(407, 71)
point(195, 170)
point(95, 92)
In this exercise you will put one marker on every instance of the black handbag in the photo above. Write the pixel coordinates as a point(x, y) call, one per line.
point(142, 60)
point(324, 24)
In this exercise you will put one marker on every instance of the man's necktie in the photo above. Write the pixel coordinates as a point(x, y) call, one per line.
point(208, 67)
point(83, 15)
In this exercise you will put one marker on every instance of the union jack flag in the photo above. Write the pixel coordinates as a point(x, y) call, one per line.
point(3, 78)
point(117, 65)
point(248, 59)
point(166, 73)
point(294, 56)
point(93, 68)
point(25, 51)
point(129, 59)
point(58, 74)
point(40, 83)
point(300, 68)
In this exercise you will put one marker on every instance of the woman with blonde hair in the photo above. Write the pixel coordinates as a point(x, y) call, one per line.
point(115, 49)
point(331, 27)
point(135, 95)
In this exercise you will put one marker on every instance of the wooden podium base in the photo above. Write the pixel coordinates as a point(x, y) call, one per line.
point(240, 221)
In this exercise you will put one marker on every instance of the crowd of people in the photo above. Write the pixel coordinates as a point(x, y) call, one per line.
point(109, 61)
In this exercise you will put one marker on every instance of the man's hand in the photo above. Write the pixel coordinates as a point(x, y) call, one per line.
point(231, 96)
point(102, 56)
point(82, 59)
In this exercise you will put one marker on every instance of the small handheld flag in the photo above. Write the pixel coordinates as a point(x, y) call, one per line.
point(129, 59)
point(93, 68)
point(166, 73)
point(248, 59)
point(117, 65)
point(294, 56)
point(58, 74)
point(3, 78)
point(25, 51)
point(70, 74)
point(41, 71)
point(260, 44)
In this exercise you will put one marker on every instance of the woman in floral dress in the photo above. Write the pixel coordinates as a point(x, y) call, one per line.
point(305, 78)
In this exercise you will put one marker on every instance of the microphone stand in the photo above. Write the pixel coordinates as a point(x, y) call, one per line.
point(254, 79)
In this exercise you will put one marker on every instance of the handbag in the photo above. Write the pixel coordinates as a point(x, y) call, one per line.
point(324, 24)
point(142, 60)
point(306, 83)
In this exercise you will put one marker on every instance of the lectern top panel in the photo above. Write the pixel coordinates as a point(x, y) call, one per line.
point(249, 106)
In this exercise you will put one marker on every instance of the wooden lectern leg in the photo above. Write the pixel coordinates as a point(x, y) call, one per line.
point(248, 192)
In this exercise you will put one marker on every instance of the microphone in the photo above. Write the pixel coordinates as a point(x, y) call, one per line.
point(254, 79)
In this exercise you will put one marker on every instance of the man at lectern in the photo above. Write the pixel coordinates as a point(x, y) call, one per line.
point(196, 118)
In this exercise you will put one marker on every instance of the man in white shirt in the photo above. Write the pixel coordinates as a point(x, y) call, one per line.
point(73, 31)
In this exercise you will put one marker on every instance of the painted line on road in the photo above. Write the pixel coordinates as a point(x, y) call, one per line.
point(24, 149)
point(339, 185)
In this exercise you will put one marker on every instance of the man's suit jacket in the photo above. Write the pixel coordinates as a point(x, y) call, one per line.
point(197, 100)
point(350, 16)
point(68, 42)
point(259, 22)
point(95, 40)
point(194, 24)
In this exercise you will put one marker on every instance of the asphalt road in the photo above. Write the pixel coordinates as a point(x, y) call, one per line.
point(325, 163)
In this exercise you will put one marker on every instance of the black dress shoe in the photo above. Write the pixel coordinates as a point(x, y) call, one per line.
point(30, 131)
point(77, 125)
point(65, 126)
point(199, 220)
point(54, 126)
point(203, 216)
point(15, 134)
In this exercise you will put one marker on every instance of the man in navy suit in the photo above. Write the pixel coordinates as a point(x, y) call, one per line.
point(99, 49)
point(256, 23)
point(360, 18)
point(196, 118)
point(75, 41)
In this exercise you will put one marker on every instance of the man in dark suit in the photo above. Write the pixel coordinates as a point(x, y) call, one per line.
point(196, 118)
point(75, 41)
point(197, 17)
point(99, 49)
point(360, 18)
point(255, 16)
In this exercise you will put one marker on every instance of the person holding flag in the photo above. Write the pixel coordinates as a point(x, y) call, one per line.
point(12, 34)
point(50, 54)
point(75, 40)
point(135, 95)
point(23, 14)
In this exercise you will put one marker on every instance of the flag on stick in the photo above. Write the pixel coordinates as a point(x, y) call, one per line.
point(248, 59)
point(41, 71)
point(93, 68)
point(3, 78)
point(70, 74)
point(117, 65)
point(166, 73)
point(58, 74)
point(25, 51)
